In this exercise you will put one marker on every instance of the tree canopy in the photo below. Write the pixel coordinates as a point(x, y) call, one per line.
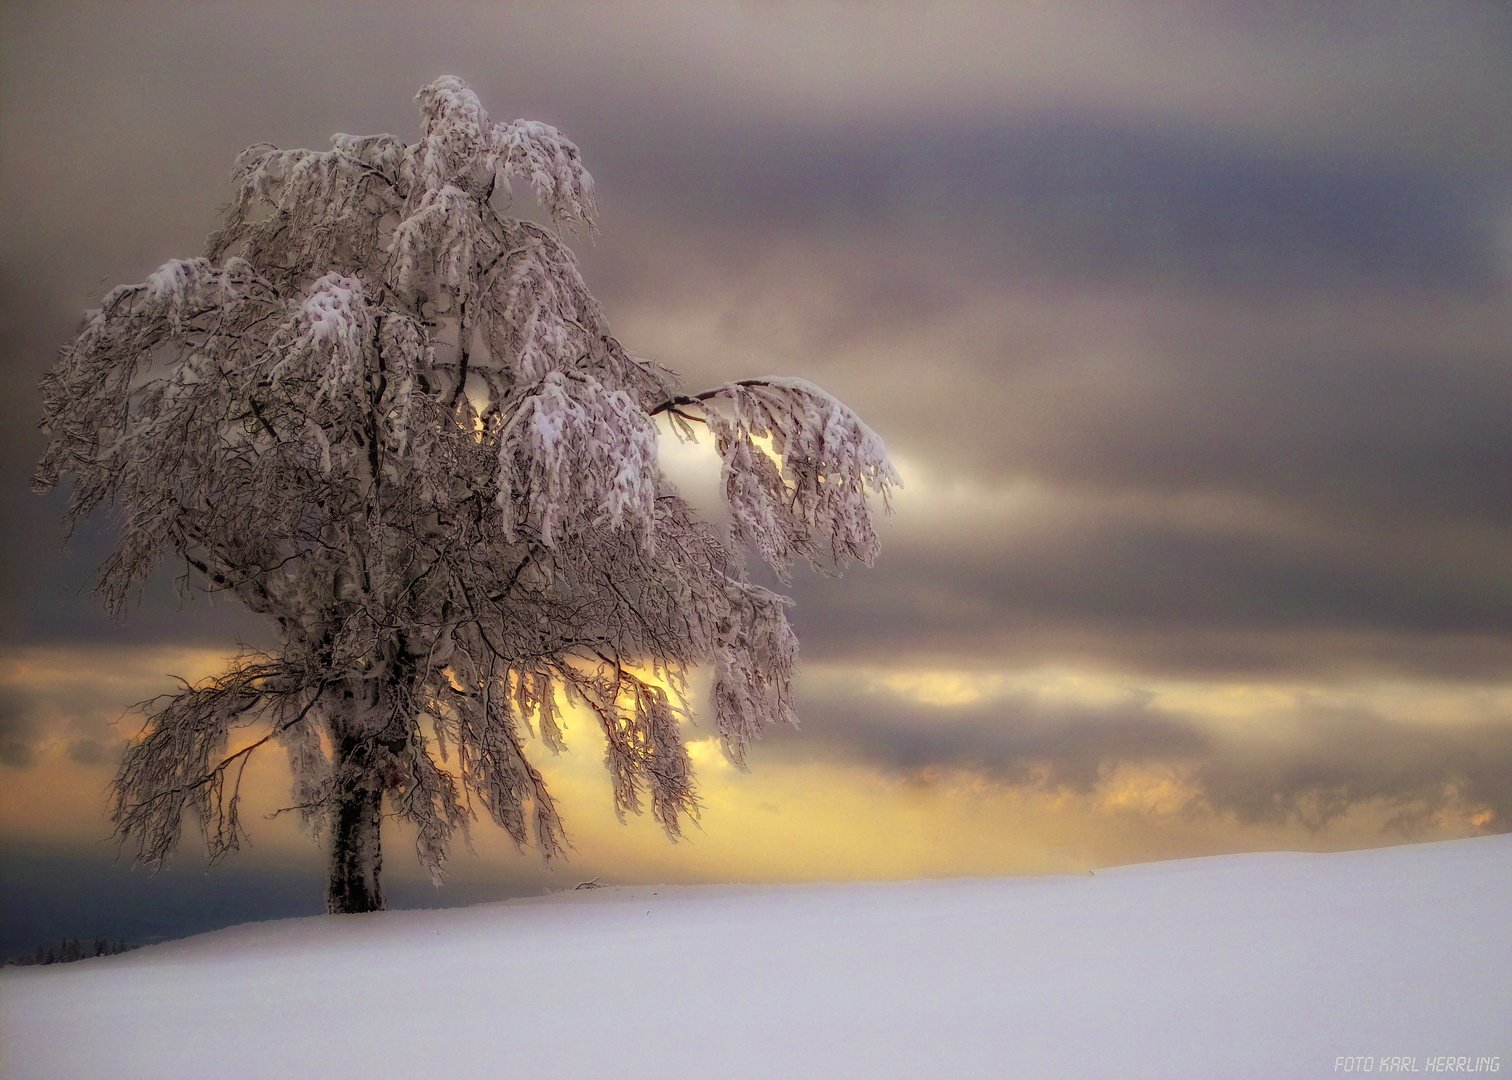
point(395, 422)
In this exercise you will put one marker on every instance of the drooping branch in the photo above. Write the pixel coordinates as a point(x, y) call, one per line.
point(168, 768)
point(644, 751)
point(796, 466)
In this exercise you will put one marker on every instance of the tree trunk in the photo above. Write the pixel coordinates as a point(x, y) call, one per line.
point(363, 742)
point(355, 883)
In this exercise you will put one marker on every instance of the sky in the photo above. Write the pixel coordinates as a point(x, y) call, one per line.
point(1187, 326)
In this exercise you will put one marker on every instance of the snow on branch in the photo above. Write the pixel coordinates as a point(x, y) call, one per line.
point(801, 495)
point(755, 661)
point(576, 450)
point(429, 798)
point(297, 209)
point(328, 336)
point(438, 246)
point(644, 751)
point(552, 164)
point(462, 148)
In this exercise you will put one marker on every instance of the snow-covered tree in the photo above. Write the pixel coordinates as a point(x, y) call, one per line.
point(395, 423)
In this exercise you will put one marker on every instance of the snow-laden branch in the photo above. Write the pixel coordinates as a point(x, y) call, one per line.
point(463, 148)
point(575, 449)
point(796, 468)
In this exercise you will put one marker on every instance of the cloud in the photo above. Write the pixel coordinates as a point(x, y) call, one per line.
point(1065, 199)
point(19, 729)
point(1275, 762)
point(1013, 739)
point(92, 752)
point(78, 699)
point(1208, 585)
point(17, 755)
point(1332, 762)
point(1365, 400)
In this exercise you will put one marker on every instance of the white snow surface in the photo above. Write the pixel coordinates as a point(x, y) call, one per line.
point(1257, 965)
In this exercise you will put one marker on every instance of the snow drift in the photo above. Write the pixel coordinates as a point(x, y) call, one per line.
point(1259, 965)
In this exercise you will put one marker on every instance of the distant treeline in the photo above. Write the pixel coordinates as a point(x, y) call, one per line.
point(69, 950)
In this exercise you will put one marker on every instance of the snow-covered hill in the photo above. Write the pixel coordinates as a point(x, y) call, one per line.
point(1270, 965)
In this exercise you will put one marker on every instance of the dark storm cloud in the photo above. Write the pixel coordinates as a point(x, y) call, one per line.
point(1064, 199)
point(1338, 759)
point(1106, 309)
point(85, 716)
point(1361, 398)
point(1013, 740)
point(1329, 762)
point(1114, 582)
point(1362, 433)
point(19, 728)
point(1394, 435)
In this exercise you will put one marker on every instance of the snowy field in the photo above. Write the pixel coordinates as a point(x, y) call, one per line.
point(1269, 965)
